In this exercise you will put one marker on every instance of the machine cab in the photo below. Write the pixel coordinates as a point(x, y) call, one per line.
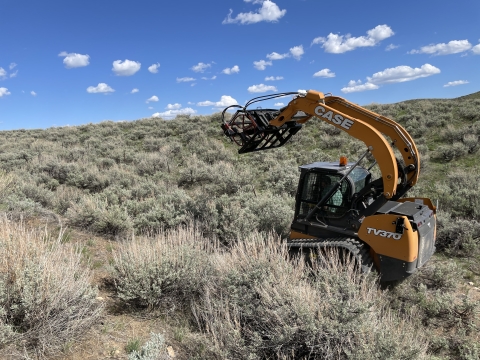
point(318, 178)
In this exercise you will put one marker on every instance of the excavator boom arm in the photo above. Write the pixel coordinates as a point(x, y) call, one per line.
point(264, 131)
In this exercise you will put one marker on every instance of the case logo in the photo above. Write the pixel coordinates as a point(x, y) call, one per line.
point(334, 118)
point(383, 233)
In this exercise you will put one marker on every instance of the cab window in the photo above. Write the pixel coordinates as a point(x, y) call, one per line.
point(315, 186)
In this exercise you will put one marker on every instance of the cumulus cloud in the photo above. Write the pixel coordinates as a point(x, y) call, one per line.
point(453, 47)
point(357, 86)
point(154, 68)
point(12, 66)
point(100, 88)
point(391, 75)
point(200, 67)
point(276, 56)
point(455, 83)
point(269, 12)
point(273, 78)
point(279, 104)
point(125, 68)
point(33, 93)
point(3, 73)
point(175, 106)
point(297, 52)
point(14, 74)
point(476, 49)
point(169, 114)
point(154, 98)
point(338, 44)
point(134, 91)
point(74, 60)
point(402, 74)
point(225, 101)
point(233, 70)
point(260, 88)
point(4, 92)
point(185, 79)
point(261, 64)
point(324, 73)
point(212, 78)
point(391, 47)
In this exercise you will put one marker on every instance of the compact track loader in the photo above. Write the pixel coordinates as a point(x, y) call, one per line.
point(338, 204)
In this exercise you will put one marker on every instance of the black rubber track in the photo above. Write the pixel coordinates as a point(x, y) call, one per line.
point(358, 249)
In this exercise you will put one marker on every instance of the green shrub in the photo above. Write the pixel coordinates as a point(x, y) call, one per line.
point(451, 152)
point(170, 268)
point(154, 349)
point(456, 236)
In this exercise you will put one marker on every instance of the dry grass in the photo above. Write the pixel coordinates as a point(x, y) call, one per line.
point(46, 296)
point(254, 302)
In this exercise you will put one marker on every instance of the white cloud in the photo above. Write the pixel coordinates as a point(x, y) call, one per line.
point(212, 78)
point(154, 68)
point(185, 79)
point(391, 75)
point(338, 44)
point(3, 73)
point(175, 106)
point(4, 92)
point(455, 83)
point(74, 60)
point(200, 67)
point(100, 88)
point(169, 114)
point(391, 47)
point(453, 47)
point(277, 56)
point(297, 52)
point(154, 98)
point(476, 49)
point(134, 91)
point(273, 78)
point(402, 74)
point(325, 73)
point(33, 93)
point(356, 87)
point(205, 103)
point(262, 64)
point(14, 74)
point(279, 104)
point(12, 66)
point(269, 12)
point(125, 68)
point(150, 107)
point(261, 88)
point(225, 101)
point(233, 70)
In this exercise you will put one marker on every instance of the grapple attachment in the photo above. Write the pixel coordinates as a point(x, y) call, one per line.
point(251, 130)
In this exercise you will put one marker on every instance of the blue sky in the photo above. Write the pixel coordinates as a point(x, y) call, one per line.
point(71, 63)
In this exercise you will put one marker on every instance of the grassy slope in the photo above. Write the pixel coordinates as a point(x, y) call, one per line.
point(111, 179)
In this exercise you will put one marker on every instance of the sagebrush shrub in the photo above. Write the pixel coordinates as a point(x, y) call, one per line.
point(169, 269)
point(46, 296)
point(255, 302)
point(264, 306)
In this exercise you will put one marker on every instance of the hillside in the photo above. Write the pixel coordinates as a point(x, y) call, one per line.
point(105, 182)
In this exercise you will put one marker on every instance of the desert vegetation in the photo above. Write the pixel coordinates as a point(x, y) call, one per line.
point(195, 231)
